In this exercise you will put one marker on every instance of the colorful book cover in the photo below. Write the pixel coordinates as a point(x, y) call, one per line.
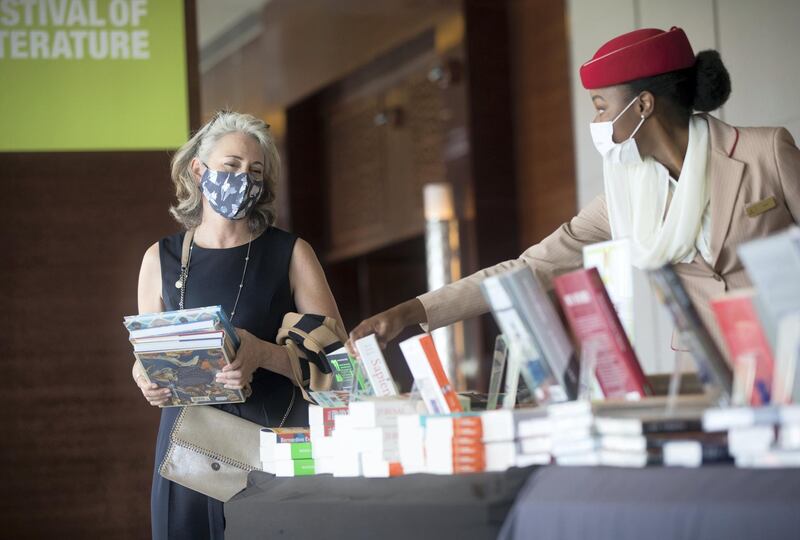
point(745, 339)
point(773, 264)
point(190, 374)
point(284, 435)
point(535, 307)
point(180, 321)
point(344, 367)
point(432, 382)
point(511, 298)
point(712, 368)
point(331, 398)
point(595, 324)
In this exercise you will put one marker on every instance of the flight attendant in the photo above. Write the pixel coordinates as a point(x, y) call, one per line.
point(683, 186)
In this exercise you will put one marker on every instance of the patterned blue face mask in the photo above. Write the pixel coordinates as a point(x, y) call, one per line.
point(231, 195)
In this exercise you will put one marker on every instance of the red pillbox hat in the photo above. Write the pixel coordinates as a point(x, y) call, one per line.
point(638, 54)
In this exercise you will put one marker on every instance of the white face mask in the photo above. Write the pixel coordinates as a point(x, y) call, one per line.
point(617, 153)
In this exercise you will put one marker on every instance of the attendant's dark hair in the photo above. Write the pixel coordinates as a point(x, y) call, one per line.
point(703, 87)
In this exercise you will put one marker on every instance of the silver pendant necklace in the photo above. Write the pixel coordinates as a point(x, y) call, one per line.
point(184, 276)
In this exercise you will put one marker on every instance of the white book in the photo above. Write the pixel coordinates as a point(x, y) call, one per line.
point(588, 459)
point(323, 447)
point(572, 435)
point(500, 456)
point(324, 465)
point(789, 437)
point(501, 425)
point(750, 439)
point(581, 446)
point(375, 366)
point(725, 418)
point(380, 411)
point(570, 408)
point(290, 468)
point(770, 459)
point(320, 432)
point(571, 424)
point(617, 458)
point(347, 465)
point(528, 460)
point(789, 414)
point(183, 328)
point(213, 343)
point(534, 427)
point(536, 445)
point(373, 466)
point(622, 443)
point(411, 443)
point(682, 454)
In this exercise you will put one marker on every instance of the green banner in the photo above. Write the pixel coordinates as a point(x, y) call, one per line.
point(92, 75)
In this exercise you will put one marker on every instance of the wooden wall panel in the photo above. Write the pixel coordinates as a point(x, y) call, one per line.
point(545, 161)
point(78, 437)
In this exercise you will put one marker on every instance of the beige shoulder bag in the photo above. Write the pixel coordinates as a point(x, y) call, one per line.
point(212, 452)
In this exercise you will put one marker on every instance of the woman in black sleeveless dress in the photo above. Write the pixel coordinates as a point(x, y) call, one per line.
point(225, 183)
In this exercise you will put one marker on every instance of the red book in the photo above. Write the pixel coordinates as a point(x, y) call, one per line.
point(595, 325)
point(744, 337)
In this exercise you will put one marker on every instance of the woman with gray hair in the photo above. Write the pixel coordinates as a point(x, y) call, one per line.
point(225, 179)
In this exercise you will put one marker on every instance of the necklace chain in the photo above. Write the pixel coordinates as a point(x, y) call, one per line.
point(185, 276)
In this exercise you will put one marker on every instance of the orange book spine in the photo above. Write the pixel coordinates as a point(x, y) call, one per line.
point(438, 372)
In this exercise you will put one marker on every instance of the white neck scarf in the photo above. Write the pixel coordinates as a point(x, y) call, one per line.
point(637, 195)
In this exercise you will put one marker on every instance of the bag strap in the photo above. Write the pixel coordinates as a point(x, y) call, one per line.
point(187, 244)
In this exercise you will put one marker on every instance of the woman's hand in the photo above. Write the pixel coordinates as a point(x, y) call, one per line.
point(153, 394)
point(239, 373)
point(388, 324)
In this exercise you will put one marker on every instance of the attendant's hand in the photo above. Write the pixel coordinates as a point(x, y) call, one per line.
point(239, 373)
point(153, 394)
point(388, 324)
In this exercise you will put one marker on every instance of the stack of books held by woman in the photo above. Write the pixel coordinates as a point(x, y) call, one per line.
point(183, 351)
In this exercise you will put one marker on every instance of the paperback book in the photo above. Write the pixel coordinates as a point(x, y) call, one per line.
point(597, 327)
point(712, 368)
point(183, 351)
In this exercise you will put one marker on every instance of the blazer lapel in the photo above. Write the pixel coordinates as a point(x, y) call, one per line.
point(724, 181)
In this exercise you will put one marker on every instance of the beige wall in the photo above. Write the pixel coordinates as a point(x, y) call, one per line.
point(758, 41)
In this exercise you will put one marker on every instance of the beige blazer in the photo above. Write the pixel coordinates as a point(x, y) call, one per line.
point(746, 166)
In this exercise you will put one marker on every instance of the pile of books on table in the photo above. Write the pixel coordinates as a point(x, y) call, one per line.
point(759, 437)
point(287, 452)
point(466, 442)
point(623, 434)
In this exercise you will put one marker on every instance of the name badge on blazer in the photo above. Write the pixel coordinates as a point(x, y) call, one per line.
point(758, 208)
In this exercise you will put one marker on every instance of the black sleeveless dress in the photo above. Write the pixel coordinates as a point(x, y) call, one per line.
point(214, 277)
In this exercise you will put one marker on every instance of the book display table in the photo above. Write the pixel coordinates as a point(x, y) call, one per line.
point(657, 502)
point(551, 503)
point(471, 506)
